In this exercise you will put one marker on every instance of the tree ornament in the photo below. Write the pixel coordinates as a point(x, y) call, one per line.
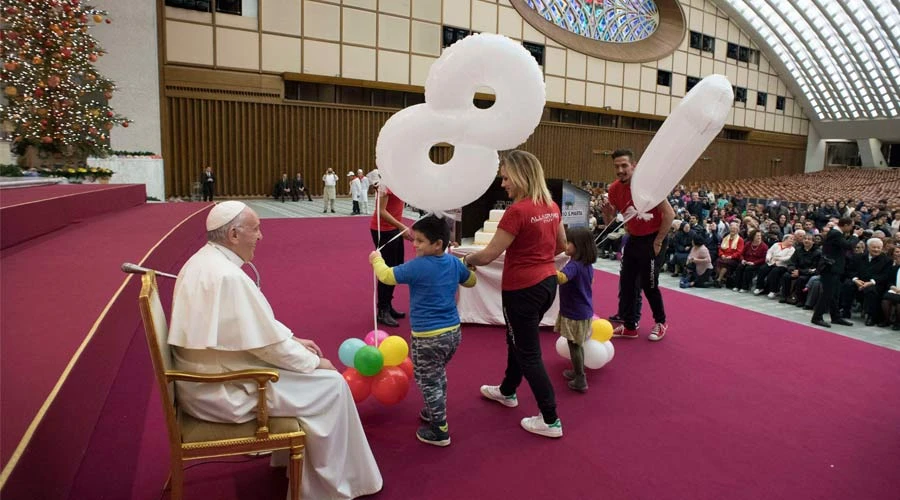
point(10, 65)
point(108, 21)
point(98, 18)
point(92, 57)
point(11, 91)
point(53, 81)
point(46, 139)
point(125, 124)
point(37, 60)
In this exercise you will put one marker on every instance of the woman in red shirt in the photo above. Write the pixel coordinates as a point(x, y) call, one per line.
point(390, 210)
point(532, 234)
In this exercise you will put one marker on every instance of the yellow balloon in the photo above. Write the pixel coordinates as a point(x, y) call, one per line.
point(601, 330)
point(394, 350)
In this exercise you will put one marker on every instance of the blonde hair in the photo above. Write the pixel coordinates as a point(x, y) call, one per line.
point(524, 171)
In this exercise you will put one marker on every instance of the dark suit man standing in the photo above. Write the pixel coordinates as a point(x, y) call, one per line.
point(207, 182)
point(837, 242)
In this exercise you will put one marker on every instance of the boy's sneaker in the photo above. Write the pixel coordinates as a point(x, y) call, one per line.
point(437, 436)
point(424, 416)
point(536, 425)
point(493, 392)
point(622, 332)
point(615, 318)
point(658, 331)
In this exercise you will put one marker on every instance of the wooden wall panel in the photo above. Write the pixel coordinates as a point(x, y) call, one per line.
point(249, 143)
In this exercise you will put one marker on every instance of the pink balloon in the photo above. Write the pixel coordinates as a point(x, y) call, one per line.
point(370, 337)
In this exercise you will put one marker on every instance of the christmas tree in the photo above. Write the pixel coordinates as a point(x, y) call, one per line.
point(56, 99)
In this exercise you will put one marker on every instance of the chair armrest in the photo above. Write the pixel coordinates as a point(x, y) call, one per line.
point(261, 377)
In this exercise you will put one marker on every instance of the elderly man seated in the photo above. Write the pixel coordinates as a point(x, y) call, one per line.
point(221, 322)
point(869, 283)
point(802, 266)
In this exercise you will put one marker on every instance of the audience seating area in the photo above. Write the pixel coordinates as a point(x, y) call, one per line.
point(863, 184)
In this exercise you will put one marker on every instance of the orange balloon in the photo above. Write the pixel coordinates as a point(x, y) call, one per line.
point(360, 385)
point(390, 385)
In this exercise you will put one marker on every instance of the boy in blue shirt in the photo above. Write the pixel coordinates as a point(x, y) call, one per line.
point(432, 277)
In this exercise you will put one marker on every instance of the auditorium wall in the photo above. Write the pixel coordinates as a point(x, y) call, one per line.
point(224, 81)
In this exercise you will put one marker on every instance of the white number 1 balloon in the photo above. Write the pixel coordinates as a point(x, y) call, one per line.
point(449, 115)
point(683, 137)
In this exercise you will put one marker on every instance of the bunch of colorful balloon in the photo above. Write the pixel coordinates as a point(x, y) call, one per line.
point(377, 365)
point(598, 350)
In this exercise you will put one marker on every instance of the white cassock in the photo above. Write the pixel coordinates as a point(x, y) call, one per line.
point(222, 322)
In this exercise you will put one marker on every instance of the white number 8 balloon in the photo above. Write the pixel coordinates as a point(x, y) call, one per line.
point(449, 115)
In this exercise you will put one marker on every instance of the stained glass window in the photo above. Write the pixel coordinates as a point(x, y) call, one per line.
point(619, 21)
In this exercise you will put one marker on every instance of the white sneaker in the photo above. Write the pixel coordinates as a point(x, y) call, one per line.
point(735, 289)
point(757, 291)
point(536, 425)
point(493, 392)
point(771, 295)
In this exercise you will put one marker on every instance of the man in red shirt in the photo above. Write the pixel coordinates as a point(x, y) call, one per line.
point(644, 252)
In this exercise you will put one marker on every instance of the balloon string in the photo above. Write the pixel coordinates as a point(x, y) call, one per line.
point(375, 278)
point(609, 233)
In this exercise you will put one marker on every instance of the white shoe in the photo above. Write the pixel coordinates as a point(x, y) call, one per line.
point(771, 295)
point(757, 291)
point(493, 392)
point(735, 289)
point(536, 425)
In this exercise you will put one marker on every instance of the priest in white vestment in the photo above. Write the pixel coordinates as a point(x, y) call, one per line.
point(222, 322)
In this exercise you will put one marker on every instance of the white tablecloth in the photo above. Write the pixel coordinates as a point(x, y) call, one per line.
point(482, 304)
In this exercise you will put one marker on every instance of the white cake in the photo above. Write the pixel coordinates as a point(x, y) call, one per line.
point(496, 215)
point(483, 238)
point(490, 227)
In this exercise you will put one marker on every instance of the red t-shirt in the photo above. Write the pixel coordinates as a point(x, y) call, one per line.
point(620, 197)
point(394, 207)
point(529, 258)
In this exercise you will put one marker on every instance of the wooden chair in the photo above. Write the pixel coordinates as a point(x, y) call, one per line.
point(191, 438)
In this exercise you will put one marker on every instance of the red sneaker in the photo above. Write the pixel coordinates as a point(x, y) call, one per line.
point(622, 332)
point(658, 331)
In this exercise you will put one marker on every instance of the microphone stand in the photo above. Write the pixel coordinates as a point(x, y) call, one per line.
point(130, 268)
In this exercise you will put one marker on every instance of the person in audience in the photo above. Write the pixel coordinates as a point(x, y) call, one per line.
point(385, 226)
point(221, 322)
point(298, 189)
point(895, 223)
point(330, 192)
point(699, 264)
point(777, 258)
point(730, 252)
point(681, 247)
point(836, 243)
point(801, 267)
point(433, 278)
point(890, 301)
point(868, 285)
point(208, 183)
point(531, 233)
point(740, 204)
point(283, 187)
point(786, 227)
point(696, 206)
point(754, 256)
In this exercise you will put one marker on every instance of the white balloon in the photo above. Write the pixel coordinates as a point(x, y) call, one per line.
point(449, 115)
point(683, 137)
point(595, 354)
point(562, 348)
point(610, 350)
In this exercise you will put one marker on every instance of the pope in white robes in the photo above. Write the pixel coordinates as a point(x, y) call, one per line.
point(222, 322)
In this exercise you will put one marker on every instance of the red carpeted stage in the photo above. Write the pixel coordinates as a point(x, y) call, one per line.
point(732, 404)
point(63, 315)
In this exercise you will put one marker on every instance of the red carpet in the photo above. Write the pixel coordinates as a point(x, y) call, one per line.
point(732, 404)
point(16, 196)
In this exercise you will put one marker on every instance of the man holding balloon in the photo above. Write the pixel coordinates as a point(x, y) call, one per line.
point(643, 254)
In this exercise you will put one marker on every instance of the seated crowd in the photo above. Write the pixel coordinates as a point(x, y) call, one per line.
point(774, 249)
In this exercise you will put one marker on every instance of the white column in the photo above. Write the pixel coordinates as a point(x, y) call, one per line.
point(870, 153)
point(815, 151)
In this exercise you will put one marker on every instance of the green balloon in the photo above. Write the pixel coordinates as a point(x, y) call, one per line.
point(368, 360)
